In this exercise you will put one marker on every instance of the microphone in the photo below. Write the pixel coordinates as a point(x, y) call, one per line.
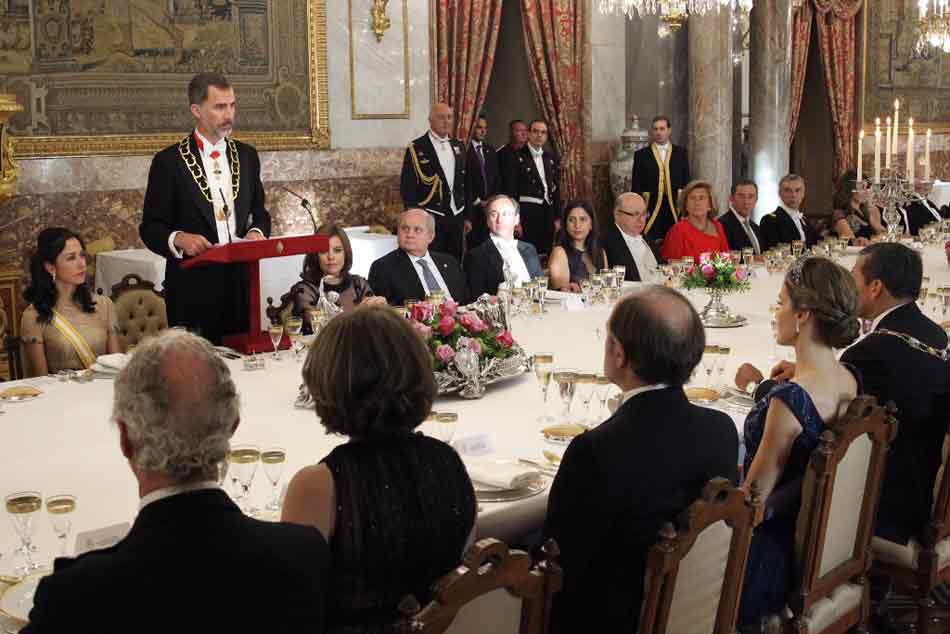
point(305, 204)
point(227, 214)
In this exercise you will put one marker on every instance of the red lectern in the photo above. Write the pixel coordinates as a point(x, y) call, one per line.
point(251, 252)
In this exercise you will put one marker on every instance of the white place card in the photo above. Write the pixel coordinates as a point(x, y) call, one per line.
point(99, 538)
point(479, 445)
point(573, 302)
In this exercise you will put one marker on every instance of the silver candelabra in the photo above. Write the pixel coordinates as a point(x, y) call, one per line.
point(893, 191)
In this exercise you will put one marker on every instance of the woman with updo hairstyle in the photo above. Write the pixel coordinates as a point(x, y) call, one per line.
point(64, 328)
point(396, 507)
point(817, 313)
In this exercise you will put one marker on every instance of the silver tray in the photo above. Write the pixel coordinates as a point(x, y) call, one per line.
point(733, 321)
point(496, 370)
point(510, 495)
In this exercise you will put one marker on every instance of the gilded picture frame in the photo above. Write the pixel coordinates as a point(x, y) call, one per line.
point(257, 94)
point(894, 69)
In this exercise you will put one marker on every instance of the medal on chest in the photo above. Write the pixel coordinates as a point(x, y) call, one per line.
point(216, 163)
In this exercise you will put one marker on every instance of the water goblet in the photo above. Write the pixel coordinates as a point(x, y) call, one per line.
point(585, 291)
point(566, 380)
point(23, 507)
point(60, 509)
point(276, 332)
point(273, 459)
point(244, 460)
point(620, 272)
point(748, 255)
point(586, 383)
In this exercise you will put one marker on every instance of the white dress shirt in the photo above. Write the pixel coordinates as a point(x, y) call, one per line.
point(446, 155)
point(434, 268)
point(663, 150)
point(538, 156)
point(218, 183)
point(747, 227)
point(167, 492)
point(796, 217)
point(510, 254)
point(642, 255)
point(629, 394)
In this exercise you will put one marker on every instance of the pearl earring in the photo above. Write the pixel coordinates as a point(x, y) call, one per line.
point(797, 327)
point(53, 275)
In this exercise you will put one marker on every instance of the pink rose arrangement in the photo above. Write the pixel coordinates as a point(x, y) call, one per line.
point(446, 330)
point(716, 271)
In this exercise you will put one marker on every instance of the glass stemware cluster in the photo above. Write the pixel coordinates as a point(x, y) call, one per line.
point(242, 466)
point(24, 507)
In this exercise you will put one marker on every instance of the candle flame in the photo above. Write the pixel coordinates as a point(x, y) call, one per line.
point(897, 104)
point(877, 121)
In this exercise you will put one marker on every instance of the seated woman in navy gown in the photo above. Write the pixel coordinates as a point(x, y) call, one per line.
point(333, 268)
point(396, 507)
point(577, 253)
point(817, 313)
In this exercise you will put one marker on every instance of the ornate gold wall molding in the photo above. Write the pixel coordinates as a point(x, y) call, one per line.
point(355, 114)
point(9, 170)
point(273, 91)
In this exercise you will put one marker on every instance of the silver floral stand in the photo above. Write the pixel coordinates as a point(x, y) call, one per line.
point(717, 315)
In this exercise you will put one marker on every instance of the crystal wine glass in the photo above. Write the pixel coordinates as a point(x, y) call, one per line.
point(276, 332)
point(620, 272)
point(295, 333)
point(585, 291)
point(542, 282)
point(602, 389)
point(444, 426)
point(244, 460)
point(566, 380)
point(60, 509)
point(273, 459)
point(585, 390)
point(23, 507)
point(709, 362)
point(773, 323)
point(724, 356)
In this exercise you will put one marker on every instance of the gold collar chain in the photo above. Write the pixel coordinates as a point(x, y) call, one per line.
point(916, 344)
point(197, 172)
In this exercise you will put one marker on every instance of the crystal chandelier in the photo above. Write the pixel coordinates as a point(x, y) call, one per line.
point(934, 25)
point(672, 13)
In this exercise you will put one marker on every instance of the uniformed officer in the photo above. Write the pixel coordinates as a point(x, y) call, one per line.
point(535, 182)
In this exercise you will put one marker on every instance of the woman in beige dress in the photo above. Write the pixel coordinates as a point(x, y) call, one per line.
point(64, 328)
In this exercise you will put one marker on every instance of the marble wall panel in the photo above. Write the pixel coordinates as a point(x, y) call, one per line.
point(608, 77)
point(378, 68)
point(346, 132)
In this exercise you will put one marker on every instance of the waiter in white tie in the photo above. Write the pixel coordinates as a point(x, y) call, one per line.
point(433, 179)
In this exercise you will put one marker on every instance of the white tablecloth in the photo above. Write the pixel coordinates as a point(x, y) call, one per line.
point(63, 442)
point(277, 274)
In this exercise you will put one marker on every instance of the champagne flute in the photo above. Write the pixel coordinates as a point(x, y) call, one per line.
point(566, 380)
point(276, 332)
point(273, 459)
point(542, 285)
point(23, 507)
point(724, 354)
point(295, 334)
point(603, 391)
point(620, 272)
point(244, 460)
point(773, 323)
point(543, 364)
point(316, 320)
point(60, 509)
point(709, 362)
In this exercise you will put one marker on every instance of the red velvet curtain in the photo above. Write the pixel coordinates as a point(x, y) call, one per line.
point(836, 21)
point(466, 34)
point(555, 36)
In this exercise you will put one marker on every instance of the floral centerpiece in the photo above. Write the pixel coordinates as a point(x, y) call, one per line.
point(717, 274)
point(469, 346)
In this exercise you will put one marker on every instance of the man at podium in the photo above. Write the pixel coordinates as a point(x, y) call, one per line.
point(202, 191)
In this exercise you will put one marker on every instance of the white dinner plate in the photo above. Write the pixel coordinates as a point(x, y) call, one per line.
point(17, 600)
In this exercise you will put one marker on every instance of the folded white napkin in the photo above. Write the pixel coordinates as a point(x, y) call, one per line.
point(503, 474)
point(115, 361)
point(98, 368)
point(552, 295)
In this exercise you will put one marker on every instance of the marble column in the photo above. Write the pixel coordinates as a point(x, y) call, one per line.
point(770, 71)
point(710, 101)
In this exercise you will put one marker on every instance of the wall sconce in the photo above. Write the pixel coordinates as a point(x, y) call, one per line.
point(9, 170)
point(381, 21)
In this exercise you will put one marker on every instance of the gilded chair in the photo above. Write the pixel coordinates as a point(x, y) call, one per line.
point(140, 310)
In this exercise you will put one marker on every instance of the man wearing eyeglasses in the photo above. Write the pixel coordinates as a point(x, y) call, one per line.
point(623, 240)
point(485, 265)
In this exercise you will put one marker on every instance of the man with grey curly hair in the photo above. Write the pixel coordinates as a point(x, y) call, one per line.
point(190, 548)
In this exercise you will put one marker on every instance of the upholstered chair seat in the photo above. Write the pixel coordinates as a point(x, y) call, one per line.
point(140, 310)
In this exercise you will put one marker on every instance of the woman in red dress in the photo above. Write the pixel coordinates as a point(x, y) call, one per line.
point(698, 231)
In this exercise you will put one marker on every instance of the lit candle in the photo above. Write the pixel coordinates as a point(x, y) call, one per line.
point(910, 150)
point(927, 157)
point(877, 150)
point(888, 146)
point(861, 151)
point(897, 116)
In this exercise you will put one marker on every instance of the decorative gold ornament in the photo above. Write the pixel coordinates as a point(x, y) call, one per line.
point(9, 170)
point(381, 21)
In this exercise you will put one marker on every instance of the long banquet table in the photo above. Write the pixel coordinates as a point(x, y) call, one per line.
point(64, 442)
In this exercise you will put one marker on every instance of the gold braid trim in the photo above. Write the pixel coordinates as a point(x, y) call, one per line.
point(665, 180)
point(433, 181)
point(197, 172)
